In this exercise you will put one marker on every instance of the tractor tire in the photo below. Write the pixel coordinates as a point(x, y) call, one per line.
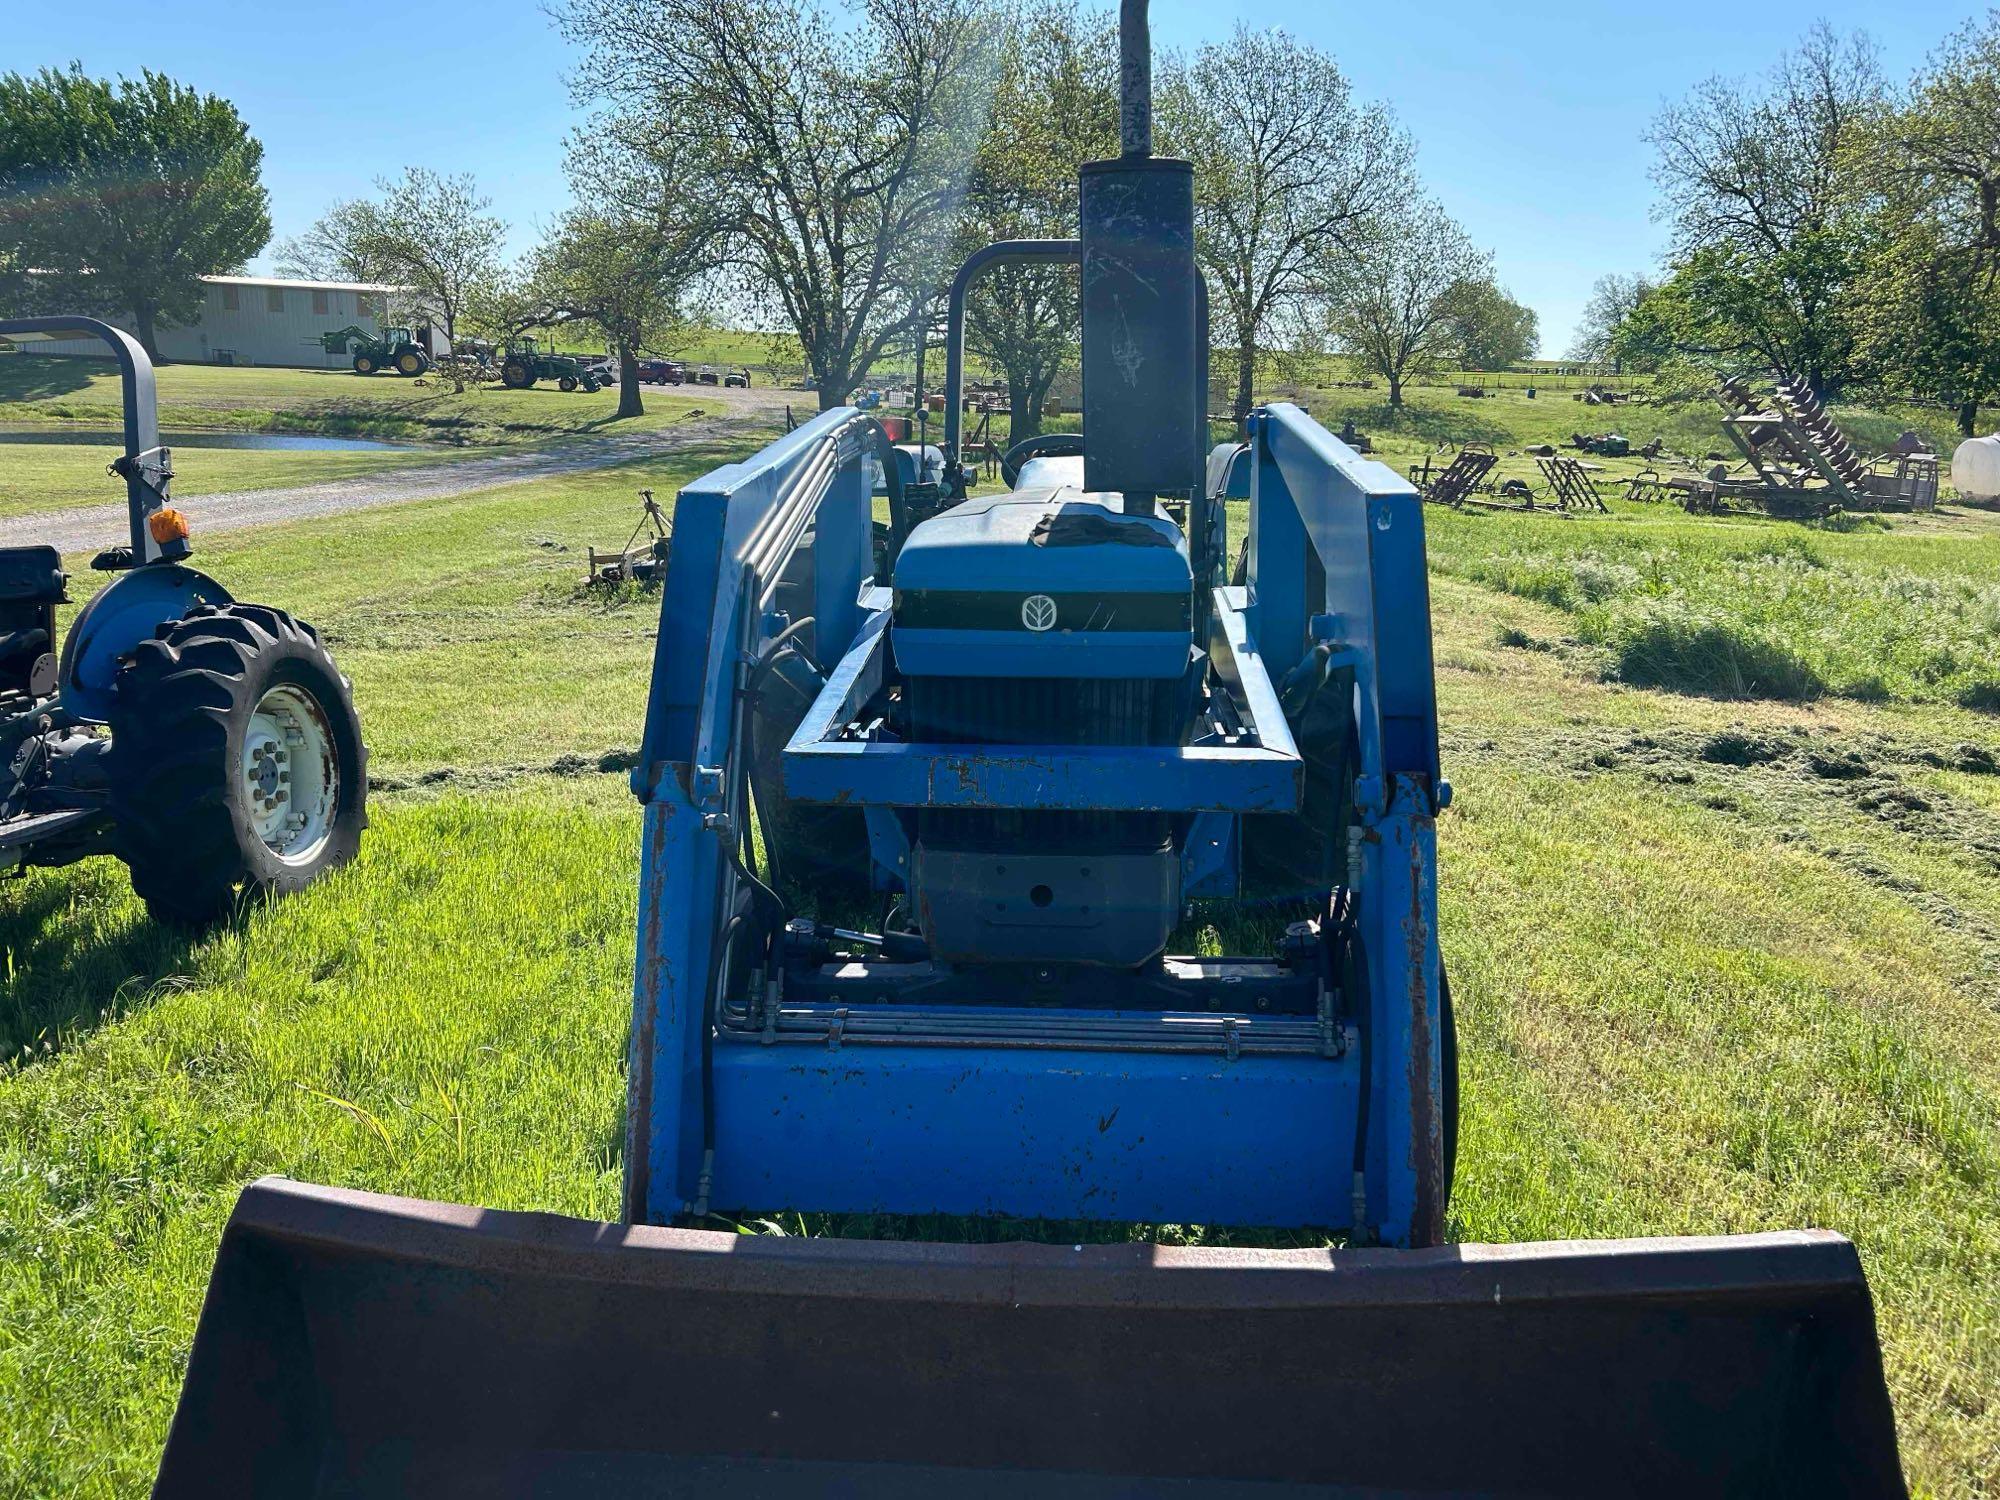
point(517, 375)
point(411, 362)
point(236, 763)
point(364, 364)
point(567, 383)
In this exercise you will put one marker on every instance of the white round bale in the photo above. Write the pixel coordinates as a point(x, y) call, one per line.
point(1975, 468)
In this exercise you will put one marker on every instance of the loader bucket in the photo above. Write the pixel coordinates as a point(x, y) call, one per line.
point(358, 1345)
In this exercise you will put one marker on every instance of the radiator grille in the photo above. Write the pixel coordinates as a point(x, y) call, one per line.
point(1046, 710)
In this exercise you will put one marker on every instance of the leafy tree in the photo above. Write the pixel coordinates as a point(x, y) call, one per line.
point(127, 194)
point(1395, 308)
point(1647, 338)
point(1055, 104)
point(835, 152)
point(1759, 185)
point(1290, 175)
point(1931, 310)
point(1930, 319)
point(1489, 329)
point(1614, 298)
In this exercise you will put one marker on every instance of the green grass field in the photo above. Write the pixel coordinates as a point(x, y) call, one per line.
point(40, 389)
point(1724, 947)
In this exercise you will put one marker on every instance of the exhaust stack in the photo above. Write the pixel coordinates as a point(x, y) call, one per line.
point(1141, 344)
point(1135, 80)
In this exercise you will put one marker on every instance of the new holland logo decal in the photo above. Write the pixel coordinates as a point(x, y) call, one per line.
point(1038, 612)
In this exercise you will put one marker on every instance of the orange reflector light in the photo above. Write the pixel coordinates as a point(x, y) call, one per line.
point(167, 525)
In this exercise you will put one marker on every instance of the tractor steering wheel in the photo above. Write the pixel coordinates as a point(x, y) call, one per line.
point(1041, 445)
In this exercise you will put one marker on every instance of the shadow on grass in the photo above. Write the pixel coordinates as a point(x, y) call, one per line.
point(77, 954)
point(1437, 424)
point(29, 377)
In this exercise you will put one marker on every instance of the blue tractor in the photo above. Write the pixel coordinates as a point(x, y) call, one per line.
point(210, 744)
point(921, 845)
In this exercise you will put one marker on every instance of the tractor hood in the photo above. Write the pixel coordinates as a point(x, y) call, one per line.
point(1049, 582)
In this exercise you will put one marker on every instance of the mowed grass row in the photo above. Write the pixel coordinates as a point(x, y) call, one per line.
point(1699, 993)
point(42, 389)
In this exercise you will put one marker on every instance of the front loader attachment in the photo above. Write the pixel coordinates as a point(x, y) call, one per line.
point(356, 1345)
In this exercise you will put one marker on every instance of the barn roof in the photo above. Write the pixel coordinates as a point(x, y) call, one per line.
point(310, 286)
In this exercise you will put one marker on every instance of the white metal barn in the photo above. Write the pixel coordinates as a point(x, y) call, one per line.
point(263, 320)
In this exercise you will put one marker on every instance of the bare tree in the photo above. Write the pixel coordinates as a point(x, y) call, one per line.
point(1055, 105)
point(1757, 183)
point(1396, 306)
point(343, 244)
point(1613, 299)
point(1289, 171)
point(624, 260)
point(835, 152)
point(437, 238)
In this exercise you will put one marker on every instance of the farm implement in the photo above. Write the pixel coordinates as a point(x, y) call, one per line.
point(210, 744)
point(993, 776)
point(1796, 462)
point(393, 349)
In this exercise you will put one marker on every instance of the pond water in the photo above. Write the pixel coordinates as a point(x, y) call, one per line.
point(294, 442)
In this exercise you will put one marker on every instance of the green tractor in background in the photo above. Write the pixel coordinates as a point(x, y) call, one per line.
point(526, 363)
point(392, 349)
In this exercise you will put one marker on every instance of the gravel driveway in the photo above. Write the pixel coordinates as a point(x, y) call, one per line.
point(84, 528)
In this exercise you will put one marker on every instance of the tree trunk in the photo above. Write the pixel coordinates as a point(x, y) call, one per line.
point(833, 387)
point(1024, 418)
point(1395, 387)
point(1968, 417)
point(146, 314)
point(630, 403)
point(1038, 400)
point(1246, 376)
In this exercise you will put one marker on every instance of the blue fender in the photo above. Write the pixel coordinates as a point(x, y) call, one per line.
point(123, 613)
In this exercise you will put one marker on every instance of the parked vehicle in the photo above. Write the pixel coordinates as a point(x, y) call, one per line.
point(394, 349)
point(662, 372)
point(525, 363)
point(211, 745)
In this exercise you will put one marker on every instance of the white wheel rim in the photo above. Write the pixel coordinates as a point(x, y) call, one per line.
point(291, 774)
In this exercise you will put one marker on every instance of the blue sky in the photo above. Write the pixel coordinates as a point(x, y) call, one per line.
point(1527, 115)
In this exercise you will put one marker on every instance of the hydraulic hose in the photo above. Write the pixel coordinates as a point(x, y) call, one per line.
point(718, 970)
point(1354, 979)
